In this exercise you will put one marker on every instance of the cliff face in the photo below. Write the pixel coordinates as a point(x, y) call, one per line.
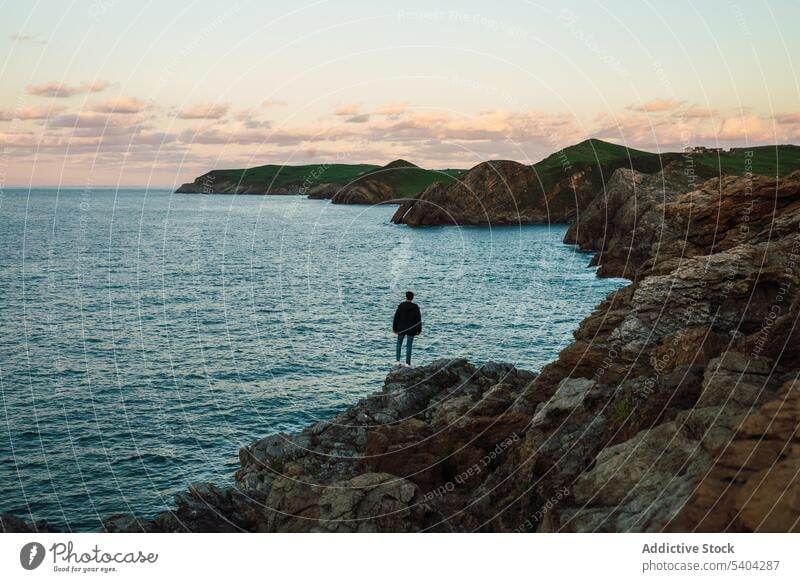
point(368, 191)
point(555, 190)
point(560, 188)
point(675, 366)
point(387, 184)
point(676, 408)
point(494, 192)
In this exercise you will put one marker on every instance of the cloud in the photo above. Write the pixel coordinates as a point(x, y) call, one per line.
point(205, 110)
point(122, 104)
point(37, 112)
point(671, 134)
point(745, 128)
point(788, 118)
point(347, 110)
point(250, 118)
point(498, 125)
point(362, 118)
point(92, 119)
point(266, 104)
point(61, 90)
point(694, 113)
point(656, 106)
point(392, 109)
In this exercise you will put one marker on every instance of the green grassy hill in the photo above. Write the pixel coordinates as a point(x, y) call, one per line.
point(775, 160)
point(406, 179)
point(596, 160)
point(278, 177)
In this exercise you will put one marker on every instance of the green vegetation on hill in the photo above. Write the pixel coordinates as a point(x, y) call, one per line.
point(414, 181)
point(598, 159)
point(405, 179)
point(276, 176)
point(408, 180)
point(775, 160)
point(594, 158)
point(590, 151)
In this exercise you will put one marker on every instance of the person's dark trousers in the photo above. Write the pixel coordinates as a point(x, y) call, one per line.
point(409, 342)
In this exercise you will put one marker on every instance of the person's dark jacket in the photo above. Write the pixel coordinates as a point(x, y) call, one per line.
point(407, 319)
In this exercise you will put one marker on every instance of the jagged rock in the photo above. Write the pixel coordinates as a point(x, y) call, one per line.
point(624, 222)
point(369, 502)
point(323, 191)
point(12, 524)
point(373, 191)
point(495, 192)
point(754, 484)
point(737, 378)
point(568, 397)
point(642, 479)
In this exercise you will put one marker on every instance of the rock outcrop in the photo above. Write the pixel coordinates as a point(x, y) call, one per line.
point(323, 191)
point(682, 358)
point(496, 192)
point(379, 186)
point(403, 459)
point(367, 191)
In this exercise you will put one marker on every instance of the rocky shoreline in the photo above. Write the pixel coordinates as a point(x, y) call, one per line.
point(676, 408)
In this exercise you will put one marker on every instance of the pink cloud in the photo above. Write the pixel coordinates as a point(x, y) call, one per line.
point(205, 110)
point(38, 112)
point(788, 118)
point(61, 90)
point(347, 110)
point(656, 106)
point(745, 128)
point(361, 118)
point(122, 104)
point(392, 109)
point(694, 113)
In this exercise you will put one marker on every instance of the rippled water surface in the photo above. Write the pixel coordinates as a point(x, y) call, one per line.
point(146, 336)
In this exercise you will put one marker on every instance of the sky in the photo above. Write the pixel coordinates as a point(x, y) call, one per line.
point(113, 92)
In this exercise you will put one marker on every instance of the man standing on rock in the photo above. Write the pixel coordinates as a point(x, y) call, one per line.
point(407, 323)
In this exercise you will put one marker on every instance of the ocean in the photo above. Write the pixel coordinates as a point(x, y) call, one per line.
point(146, 335)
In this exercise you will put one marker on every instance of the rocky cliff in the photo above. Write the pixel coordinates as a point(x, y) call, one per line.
point(676, 408)
point(555, 190)
point(560, 188)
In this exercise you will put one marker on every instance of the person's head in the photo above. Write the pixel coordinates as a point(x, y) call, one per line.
point(409, 296)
